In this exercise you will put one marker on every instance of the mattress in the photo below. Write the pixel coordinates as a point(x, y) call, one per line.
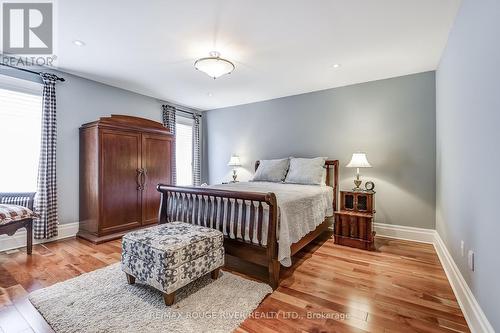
point(301, 208)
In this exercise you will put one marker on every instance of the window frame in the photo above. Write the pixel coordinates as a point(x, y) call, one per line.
point(184, 120)
point(28, 87)
point(20, 85)
point(187, 121)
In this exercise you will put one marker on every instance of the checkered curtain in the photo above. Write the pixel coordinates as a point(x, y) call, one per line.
point(169, 122)
point(46, 197)
point(196, 150)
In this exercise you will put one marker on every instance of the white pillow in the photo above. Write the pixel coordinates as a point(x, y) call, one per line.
point(307, 171)
point(271, 170)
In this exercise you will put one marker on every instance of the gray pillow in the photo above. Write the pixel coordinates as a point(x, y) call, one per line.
point(271, 170)
point(307, 171)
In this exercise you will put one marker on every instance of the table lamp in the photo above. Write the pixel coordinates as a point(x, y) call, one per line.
point(235, 162)
point(358, 160)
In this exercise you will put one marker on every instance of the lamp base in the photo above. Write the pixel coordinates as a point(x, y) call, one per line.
point(357, 184)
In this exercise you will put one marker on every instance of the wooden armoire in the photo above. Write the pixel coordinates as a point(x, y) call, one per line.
point(122, 159)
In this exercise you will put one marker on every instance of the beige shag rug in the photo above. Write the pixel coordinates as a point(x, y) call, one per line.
point(102, 301)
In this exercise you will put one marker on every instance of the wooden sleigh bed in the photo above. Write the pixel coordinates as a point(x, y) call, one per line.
point(208, 206)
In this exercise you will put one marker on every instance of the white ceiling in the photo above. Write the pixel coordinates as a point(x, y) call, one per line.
point(280, 47)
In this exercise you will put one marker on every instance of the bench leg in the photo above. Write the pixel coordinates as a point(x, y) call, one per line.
point(130, 278)
point(169, 298)
point(215, 273)
point(29, 240)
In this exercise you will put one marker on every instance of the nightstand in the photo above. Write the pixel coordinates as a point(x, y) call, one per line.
point(354, 220)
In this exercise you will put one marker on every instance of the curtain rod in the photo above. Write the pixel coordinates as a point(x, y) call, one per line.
point(188, 112)
point(28, 71)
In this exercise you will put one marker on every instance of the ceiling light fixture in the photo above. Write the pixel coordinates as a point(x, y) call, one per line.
point(214, 66)
point(336, 65)
point(78, 42)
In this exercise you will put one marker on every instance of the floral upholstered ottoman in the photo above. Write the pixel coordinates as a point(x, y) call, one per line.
point(171, 255)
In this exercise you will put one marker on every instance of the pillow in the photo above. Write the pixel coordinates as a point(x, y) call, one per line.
point(271, 170)
point(307, 171)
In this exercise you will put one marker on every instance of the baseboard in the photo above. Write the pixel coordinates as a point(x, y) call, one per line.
point(470, 307)
point(19, 238)
point(406, 233)
point(474, 315)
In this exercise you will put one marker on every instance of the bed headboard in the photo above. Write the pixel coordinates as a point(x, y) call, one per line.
point(331, 180)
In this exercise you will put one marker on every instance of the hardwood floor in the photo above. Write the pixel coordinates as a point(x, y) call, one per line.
point(400, 288)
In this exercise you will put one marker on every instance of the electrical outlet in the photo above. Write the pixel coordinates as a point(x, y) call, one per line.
point(462, 248)
point(471, 260)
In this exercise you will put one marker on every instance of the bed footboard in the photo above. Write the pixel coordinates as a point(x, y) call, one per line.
point(240, 216)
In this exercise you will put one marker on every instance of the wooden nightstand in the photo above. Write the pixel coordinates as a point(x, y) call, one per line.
point(354, 220)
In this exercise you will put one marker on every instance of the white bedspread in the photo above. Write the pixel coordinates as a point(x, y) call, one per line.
point(301, 208)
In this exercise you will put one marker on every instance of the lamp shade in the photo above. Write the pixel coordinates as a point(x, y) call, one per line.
point(214, 66)
point(359, 160)
point(234, 161)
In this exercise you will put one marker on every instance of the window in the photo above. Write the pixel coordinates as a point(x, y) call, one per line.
point(20, 131)
point(184, 151)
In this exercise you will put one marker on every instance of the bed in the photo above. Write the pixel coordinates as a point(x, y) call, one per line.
point(263, 223)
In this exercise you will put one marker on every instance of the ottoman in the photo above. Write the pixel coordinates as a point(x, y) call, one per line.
point(171, 255)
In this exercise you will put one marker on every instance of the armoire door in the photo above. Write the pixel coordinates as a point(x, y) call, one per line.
point(120, 165)
point(156, 162)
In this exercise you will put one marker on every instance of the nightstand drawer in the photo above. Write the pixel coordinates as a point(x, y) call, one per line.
point(354, 230)
point(353, 226)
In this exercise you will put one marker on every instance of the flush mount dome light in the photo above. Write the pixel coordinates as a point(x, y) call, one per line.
point(214, 66)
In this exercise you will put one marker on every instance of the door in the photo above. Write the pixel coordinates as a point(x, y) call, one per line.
point(120, 156)
point(364, 202)
point(156, 162)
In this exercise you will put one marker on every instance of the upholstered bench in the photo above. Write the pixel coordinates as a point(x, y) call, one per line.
point(16, 212)
point(171, 255)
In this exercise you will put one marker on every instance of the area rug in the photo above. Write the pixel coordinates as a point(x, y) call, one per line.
point(102, 301)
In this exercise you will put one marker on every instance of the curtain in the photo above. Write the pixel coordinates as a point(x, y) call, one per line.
point(46, 198)
point(196, 150)
point(169, 122)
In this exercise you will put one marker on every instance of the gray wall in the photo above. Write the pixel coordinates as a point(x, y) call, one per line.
point(468, 116)
point(392, 120)
point(80, 101)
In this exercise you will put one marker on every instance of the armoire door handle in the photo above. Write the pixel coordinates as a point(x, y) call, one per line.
point(140, 186)
point(143, 177)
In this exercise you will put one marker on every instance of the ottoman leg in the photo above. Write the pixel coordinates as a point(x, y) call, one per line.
point(215, 273)
point(130, 278)
point(169, 298)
